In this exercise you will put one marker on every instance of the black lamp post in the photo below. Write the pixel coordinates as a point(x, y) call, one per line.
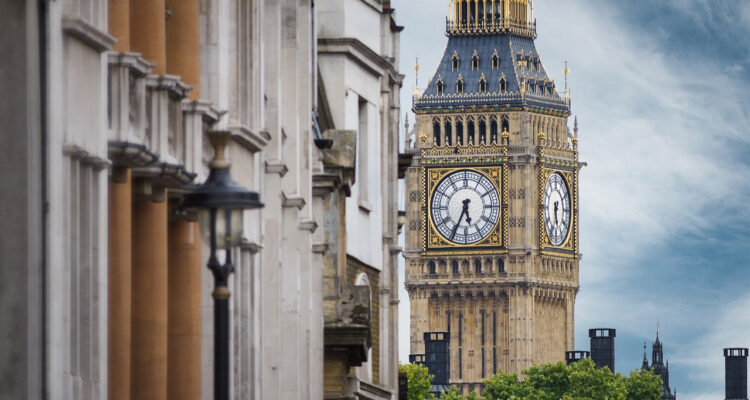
point(220, 202)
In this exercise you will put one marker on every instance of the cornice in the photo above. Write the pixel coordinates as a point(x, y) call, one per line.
point(360, 53)
point(87, 34)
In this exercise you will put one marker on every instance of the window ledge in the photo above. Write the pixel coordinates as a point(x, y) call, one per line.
point(365, 206)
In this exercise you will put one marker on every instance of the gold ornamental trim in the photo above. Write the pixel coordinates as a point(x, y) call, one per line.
point(569, 247)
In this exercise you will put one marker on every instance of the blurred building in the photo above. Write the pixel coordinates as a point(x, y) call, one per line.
point(104, 290)
point(659, 367)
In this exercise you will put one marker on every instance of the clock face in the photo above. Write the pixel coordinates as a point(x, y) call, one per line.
point(556, 209)
point(465, 207)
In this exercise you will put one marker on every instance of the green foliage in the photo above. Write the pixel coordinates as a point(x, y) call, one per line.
point(643, 385)
point(451, 394)
point(473, 396)
point(420, 381)
point(579, 381)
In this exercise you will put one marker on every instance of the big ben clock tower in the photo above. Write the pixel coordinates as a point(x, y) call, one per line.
point(492, 199)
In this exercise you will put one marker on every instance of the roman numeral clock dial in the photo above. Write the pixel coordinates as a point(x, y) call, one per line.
point(556, 209)
point(465, 207)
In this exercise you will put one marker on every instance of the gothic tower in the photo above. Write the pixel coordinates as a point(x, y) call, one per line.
point(492, 199)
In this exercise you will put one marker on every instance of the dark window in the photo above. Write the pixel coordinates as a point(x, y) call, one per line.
point(503, 85)
point(436, 131)
point(482, 131)
point(495, 61)
point(493, 131)
point(478, 268)
point(460, 132)
point(439, 88)
point(460, 86)
point(456, 269)
point(455, 63)
point(474, 63)
point(482, 86)
point(464, 12)
point(500, 265)
point(471, 132)
point(448, 133)
point(506, 125)
point(433, 269)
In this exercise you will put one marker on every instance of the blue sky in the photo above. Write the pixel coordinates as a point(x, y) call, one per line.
point(662, 92)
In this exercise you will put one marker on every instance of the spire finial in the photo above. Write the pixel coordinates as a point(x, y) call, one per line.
point(565, 72)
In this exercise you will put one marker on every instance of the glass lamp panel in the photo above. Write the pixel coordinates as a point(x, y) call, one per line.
point(228, 227)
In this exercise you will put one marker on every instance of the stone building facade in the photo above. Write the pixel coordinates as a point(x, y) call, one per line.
point(492, 199)
point(104, 291)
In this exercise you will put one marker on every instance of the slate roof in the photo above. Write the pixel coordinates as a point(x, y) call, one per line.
point(511, 49)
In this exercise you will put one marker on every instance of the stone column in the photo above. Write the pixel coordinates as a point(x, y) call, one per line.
point(183, 38)
point(148, 32)
point(120, 278)
point(184, 328)
point(149, 341)
point(119, 24)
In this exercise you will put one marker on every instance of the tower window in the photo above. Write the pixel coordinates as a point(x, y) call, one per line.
point(482, 131)
point(475, 61)
point(482, 84)
point(433, 269)
point(470, 130)
point(500, 265)
point(436, 131)
point(503, 84)
point(478, 270)
point(495, 61)
point(448, 132)
point(460, 132)
point(493, 131)
point(460, 85)
point(440, 86)
point(455, 62)
point(456, 269)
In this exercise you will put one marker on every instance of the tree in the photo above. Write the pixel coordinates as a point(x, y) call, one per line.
point(579, 381)
point(473, 396)
point(643, 385)
point(420, 381)
point(451, 394)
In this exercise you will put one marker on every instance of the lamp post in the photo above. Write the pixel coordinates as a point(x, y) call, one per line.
point(220, 202)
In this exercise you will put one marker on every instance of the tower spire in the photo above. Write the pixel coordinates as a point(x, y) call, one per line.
point(644, 365)
point(416, 67)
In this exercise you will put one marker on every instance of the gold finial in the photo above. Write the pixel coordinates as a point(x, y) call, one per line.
point(541, 135)
point(219, 140)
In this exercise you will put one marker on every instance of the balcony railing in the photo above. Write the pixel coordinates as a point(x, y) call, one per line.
point(491, 26)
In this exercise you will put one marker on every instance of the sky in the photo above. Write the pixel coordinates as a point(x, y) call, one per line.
point(661, 90)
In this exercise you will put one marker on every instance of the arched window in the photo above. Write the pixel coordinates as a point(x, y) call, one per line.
point(448, 132)
point(456, 269)
point(505, 124)
point(482, 131)
point(482, 84)
point(503, 84)
point(432, 268)
point(470, 129)
point(436, 131)
point(460, 84)
point(477, 266)
point(472, 13)
point(440, 86)
point(481, 12)
point(495, 61)
point(493, 131)
point(475, 61)
point(500, 265)
point(460, 132)
point(455, 62)
point(464, 12)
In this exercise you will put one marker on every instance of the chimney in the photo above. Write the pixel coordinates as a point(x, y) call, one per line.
point(575, 356)
point(735, 372)
point(603, 347)
point(437, 356)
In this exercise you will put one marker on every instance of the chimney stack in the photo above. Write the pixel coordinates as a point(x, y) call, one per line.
point(603, 347)
point(735, 370)
point(575, 356)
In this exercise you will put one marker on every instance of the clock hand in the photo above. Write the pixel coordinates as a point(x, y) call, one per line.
point(466, 210)
point(556, 207)
point(455, 228)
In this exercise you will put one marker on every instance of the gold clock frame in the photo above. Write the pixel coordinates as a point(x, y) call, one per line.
point(569, 247)
point(433, 243)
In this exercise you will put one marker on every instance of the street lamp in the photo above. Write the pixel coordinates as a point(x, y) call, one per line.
point(220, 202)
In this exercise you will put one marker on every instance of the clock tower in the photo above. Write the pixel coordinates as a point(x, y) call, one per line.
point(492, 199)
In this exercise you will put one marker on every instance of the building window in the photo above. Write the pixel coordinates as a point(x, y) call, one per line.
point(482, 131)
point(440, 86)
point(363, 154)
point(478, 270)
point(456, 269)
point(503, 84)
point(500, 265)
point(432, 268)
point(493, 131)
point(475, 61)
point(460, 84)
point(448, 132)
point(436, 131)
point(482, 84)
point(495, 61)
point(470, 129)
point(455, 62)
point(460, 132)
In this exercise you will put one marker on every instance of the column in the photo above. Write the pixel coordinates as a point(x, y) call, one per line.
point(184, 321)
point(149, 305)
point(183, 37)
point(120, 278)
point(148, 32)
point(119, 24)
